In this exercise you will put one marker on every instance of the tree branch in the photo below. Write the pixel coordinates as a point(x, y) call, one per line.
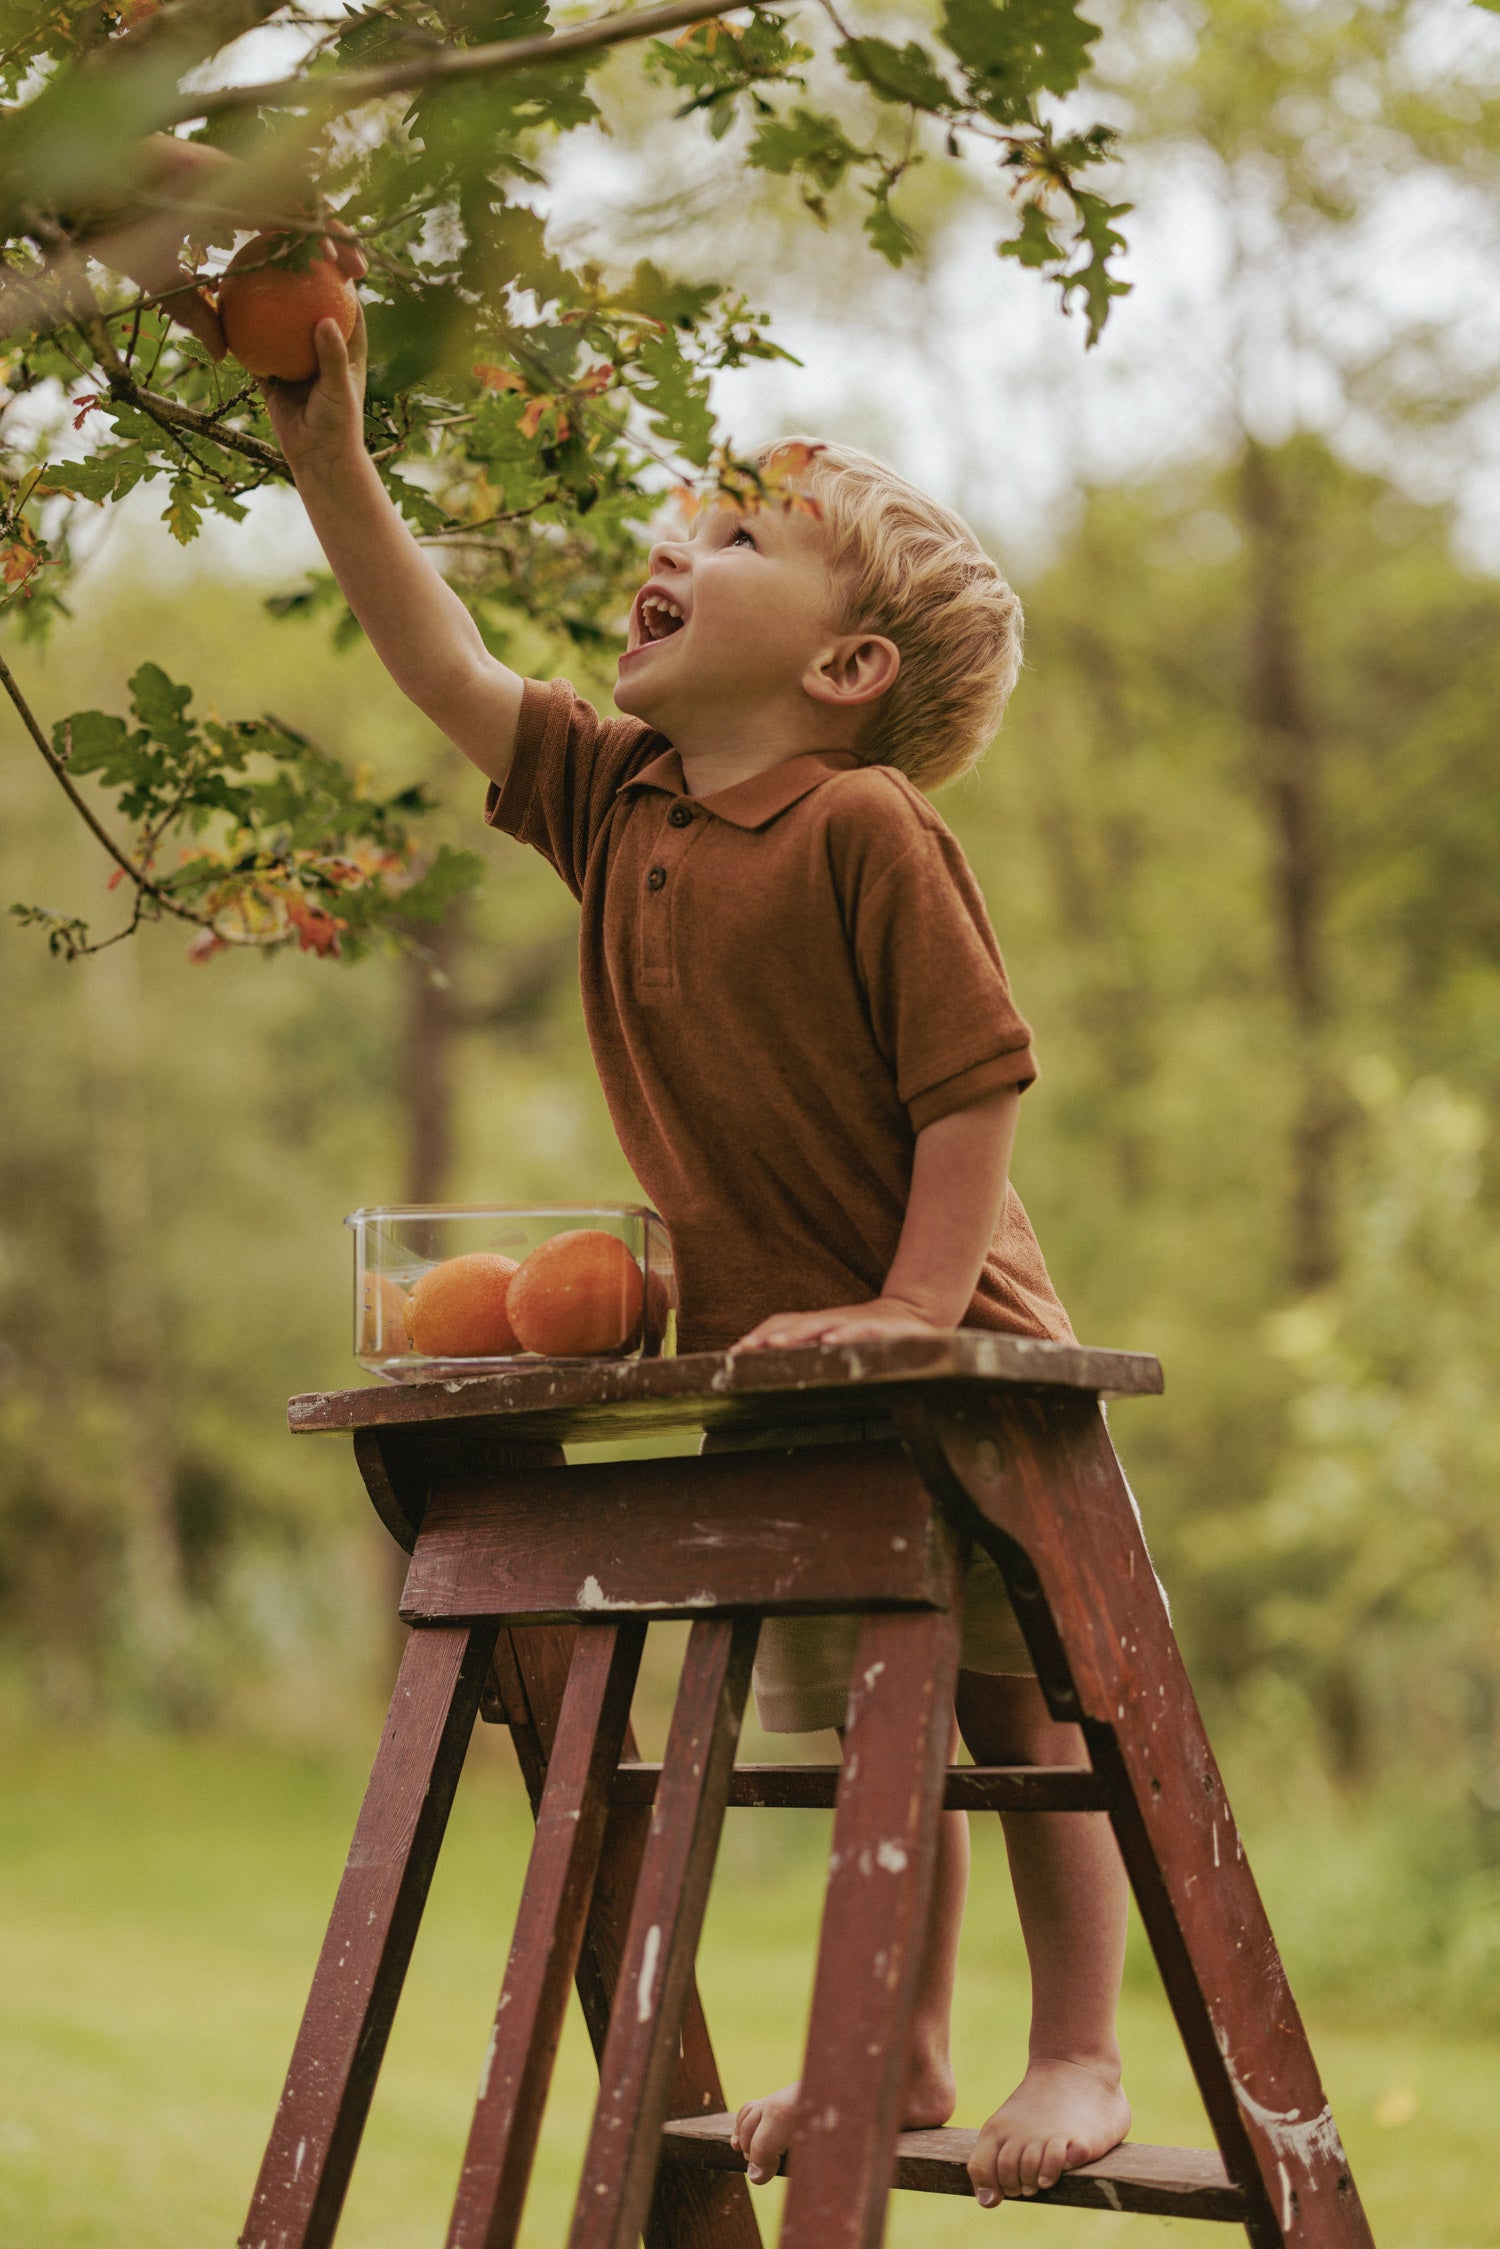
point(145, 887)
point(169, 415)
point(347, 89)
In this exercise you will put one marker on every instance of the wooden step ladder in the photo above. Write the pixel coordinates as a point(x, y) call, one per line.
point(839, 1479)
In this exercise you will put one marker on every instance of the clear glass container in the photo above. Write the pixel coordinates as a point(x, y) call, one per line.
point(448, 1290)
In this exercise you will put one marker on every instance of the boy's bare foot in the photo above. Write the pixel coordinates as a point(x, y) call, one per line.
point(763, 2128)
point(1060, 2115)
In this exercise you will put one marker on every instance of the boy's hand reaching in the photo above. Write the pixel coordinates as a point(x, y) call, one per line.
point(841, 1323)
point(322, 420)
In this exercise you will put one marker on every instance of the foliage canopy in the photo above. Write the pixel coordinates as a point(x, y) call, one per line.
point(527, 411)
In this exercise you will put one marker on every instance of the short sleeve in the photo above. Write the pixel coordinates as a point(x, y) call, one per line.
point(934, 981)
point(567, 767)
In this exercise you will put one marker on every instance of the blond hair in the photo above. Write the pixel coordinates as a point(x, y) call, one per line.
point(909, 568)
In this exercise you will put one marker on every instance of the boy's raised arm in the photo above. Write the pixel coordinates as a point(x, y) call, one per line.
point(420, 630)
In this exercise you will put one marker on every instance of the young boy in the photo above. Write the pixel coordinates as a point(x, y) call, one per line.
point(801, 1021)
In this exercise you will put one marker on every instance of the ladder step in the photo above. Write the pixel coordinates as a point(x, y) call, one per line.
point(971, 1788)
point(1166, 2182)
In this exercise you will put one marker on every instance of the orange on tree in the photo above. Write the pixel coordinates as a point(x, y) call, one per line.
point(458, 1310)
point(269, 311)
point(578, 1293)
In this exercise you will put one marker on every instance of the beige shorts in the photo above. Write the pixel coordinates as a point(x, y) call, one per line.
point(803, 1664)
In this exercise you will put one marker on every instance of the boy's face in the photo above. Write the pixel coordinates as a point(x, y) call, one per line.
point(753, 596)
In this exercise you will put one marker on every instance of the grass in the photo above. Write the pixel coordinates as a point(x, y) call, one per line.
point(163, 1902)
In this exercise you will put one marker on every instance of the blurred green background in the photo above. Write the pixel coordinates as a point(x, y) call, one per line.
point(1239, 840)
point(1292, 1207)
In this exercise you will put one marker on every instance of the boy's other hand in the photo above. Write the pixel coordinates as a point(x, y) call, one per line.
point(323, 419)
point(841, 1323)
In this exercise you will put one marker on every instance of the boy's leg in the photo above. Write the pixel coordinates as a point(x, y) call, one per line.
point(763, 2127)
point(1072, 1895)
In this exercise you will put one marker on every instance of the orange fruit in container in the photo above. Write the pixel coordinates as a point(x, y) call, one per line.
point(578, 1295)
point(382, 1316)
point(268, 312)
point(459, 1309)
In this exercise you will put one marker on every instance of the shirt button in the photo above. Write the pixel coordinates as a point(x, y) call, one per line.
point(679, 816)
point(656, 878)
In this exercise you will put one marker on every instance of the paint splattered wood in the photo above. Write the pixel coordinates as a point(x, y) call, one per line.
point(874, 1926)
point(689, 2209)
point(570, 1824)
point(1043, 1488)
point(360, 1971)
point(842, 1526)
point(585, 1400)
point(636, 2067)
point(1162, 2182)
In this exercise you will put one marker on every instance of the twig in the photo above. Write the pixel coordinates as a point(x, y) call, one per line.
point(347, 89)
point(168, 415)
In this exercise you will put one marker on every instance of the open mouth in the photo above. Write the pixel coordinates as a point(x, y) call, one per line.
point(659, 618)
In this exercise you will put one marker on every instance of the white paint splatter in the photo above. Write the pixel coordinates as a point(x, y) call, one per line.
point(1111, 2194)
point(872, 1674)
point(892, 1858)
point(1306, 2141)
point(645, 1997)
point(301, 2153)
point(489, 2063)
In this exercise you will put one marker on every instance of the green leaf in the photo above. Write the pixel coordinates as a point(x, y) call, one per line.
point(898, 74)
point(161, 706)
point(183, 513)
point(806, 143)
point(450, 875)
point(889, 236)
point(105, 476)
point(1035, 245)
point(660, 296)
point(94, 742)
point(67, 936)
point(1013, 51)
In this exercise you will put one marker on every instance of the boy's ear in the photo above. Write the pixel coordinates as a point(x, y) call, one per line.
point(856, 669)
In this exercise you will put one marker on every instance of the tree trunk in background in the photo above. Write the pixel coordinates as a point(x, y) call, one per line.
point(428, 1067)
point(134, 1322)
point(1289, 760)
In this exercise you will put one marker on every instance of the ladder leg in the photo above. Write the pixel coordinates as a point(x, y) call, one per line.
point(690, 2209)
point(1038, 1479)
point(636, 2067)
point(890, 1798)
point(360, 1971)
point(549, 1929)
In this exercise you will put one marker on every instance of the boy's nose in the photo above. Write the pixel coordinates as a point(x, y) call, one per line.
point(667, 554)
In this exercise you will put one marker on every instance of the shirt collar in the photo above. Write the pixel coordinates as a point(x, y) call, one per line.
point(752, 803)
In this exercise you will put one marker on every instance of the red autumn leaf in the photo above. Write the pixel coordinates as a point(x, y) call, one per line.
point(18, 564)
point(317, 931)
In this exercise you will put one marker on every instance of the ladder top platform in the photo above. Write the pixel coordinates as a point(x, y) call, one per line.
point(560, 1400)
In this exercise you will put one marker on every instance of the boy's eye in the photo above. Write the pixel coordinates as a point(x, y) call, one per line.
point(740, 532)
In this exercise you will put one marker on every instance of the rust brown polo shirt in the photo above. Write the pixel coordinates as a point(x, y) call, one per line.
point(783, 983)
